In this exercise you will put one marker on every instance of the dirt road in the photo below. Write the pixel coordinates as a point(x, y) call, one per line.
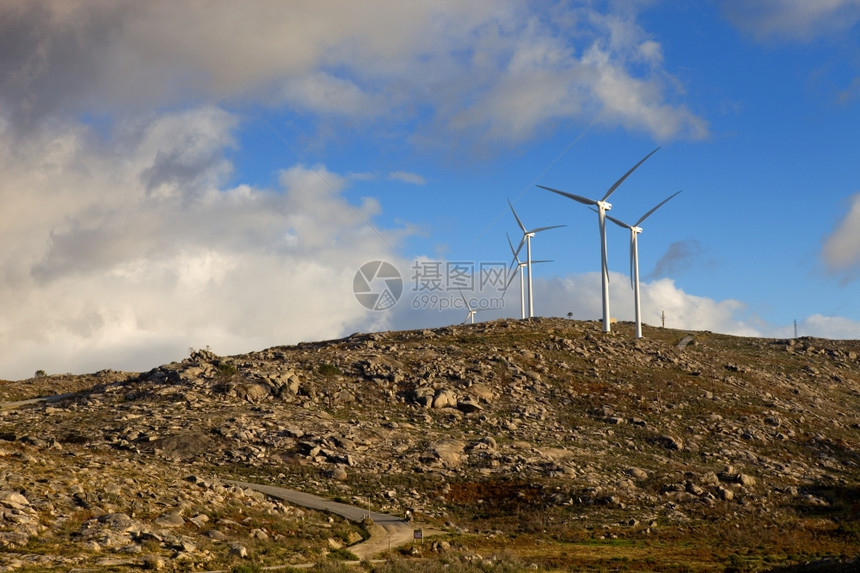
point(387, 531)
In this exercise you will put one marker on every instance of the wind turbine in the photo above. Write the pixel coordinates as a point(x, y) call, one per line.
point(520, 265)
point(472, 311)
point(527, 239)
point(635, 229)
point(602, 208)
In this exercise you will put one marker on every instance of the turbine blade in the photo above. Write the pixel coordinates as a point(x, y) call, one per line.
point(466, 302)
point(520, 223)
point(646, 215)
point(543, 261)
point(579, 198)
point(617, 222)
point(516, 252)
point(510, 280)
point(539, 229)
point(511, 244)
point(626, 175)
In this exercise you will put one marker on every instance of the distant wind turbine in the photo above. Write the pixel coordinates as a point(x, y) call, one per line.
point(602, 208)
point(472, 311)
point(527, 239)
point(635, 229)
point(520, 265)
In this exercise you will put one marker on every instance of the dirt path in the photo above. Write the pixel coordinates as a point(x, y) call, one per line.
point(20, 403)
point(387, 531)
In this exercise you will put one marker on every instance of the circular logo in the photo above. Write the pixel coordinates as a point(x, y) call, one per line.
point(377, 285)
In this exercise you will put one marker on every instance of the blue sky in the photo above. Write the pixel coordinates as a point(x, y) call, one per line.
point(178, 176)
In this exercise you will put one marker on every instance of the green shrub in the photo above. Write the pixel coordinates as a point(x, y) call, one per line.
point(327, 369)
point(226, 370)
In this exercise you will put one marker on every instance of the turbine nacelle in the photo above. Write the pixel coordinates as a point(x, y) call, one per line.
point(604, 205)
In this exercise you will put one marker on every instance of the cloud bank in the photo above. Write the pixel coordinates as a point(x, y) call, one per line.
point(496, 70)
point(125, 259)
point(125, 237)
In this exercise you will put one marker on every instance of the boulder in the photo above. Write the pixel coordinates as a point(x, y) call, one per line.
point(445, 398)
point(448, 453)
point(252, 392)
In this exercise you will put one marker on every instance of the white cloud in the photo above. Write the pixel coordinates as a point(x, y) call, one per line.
point(792, 19)
point(829, 327)
point(841, 250)
point(639, 104)
point(581, 295)
point(323, 93)
point(497, 70)
point(102, 268)
point(406, 177)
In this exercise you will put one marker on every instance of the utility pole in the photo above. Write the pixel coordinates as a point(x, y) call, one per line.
point(663, 318)
point(795, 328)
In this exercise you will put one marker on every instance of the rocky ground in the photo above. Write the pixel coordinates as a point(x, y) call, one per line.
point(545, 441)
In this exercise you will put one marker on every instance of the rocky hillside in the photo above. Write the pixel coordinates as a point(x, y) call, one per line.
point(545, 444)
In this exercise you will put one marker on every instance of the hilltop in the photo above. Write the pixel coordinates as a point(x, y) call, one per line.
point(541, 444)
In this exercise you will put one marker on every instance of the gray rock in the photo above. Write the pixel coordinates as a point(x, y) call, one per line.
point(339, 473)
point(170, 520)
point(448, 453)
point(252, 392)
point(14, 500)
point(445, 398)
point(13, 539)
point(344, 397)
point(238, 549)
point(119, 522)
point(480, 392)
point(671, 442)
point(636, 473)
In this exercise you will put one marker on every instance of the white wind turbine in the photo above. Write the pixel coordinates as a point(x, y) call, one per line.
point(527, 239)
point(520, 265)
point(635, 229)
point(472, 311)
point(602, 208)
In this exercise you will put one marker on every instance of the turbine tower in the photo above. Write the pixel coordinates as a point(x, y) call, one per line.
point(527, 239)
point(520, 265)
point(635, 229)
point(602, 208)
